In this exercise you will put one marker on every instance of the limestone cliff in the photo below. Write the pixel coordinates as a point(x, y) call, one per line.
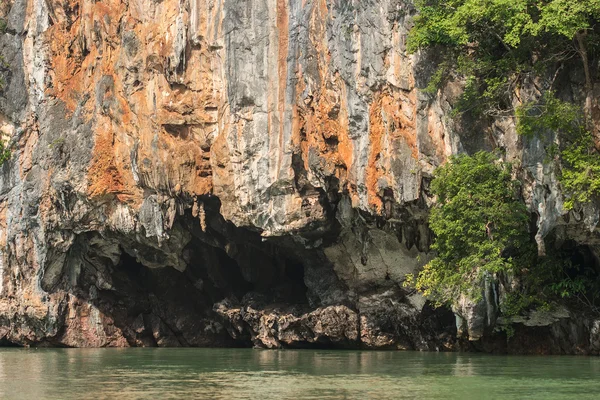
point(236, 172)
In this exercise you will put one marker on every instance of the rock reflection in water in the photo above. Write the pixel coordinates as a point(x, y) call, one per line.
point(293, 374)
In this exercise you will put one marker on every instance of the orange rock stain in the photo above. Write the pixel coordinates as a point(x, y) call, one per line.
point(320, 122)
point(87, 46)
point(387, 124)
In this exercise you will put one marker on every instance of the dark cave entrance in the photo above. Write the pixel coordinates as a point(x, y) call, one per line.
point(580, 257)
point(191, 293)
point(158, 306)
point(572, 275)
point(131, 267)
point(579, 261)
point(168, 307)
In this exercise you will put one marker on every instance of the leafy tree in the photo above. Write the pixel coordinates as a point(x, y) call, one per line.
point(550, 114)
point(573, 20)
point(480, 228)
point(479, 224)
point(496, 43)
point(581, 176)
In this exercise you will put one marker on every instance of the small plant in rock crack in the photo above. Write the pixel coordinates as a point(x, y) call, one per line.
point(5, 152)
point(56, 143)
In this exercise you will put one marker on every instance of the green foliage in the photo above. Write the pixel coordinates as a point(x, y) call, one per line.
point(565, 17)
point(481, 232)
point(3, 26)
point(437, 79)
point(571, 282)
point(581, 175)
point(466, 22)
point(56, 143)
point(5, 152)
point(480, 225)
point(550, 114)
point(477, 220)
point(568, 287)
point(543, 280)
point(470, 23)
point(510, 331)
point(516, 303)
point(495, 44)
point(582, 287)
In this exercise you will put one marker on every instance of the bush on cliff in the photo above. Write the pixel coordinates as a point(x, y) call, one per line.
point(497, 48)
point(478, 222)
point(5, 152)
point(481, 231)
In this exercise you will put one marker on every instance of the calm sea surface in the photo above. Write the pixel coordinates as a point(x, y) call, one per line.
point(289, 374)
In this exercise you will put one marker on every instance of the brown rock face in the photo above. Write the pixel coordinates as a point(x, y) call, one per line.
point(212, 173)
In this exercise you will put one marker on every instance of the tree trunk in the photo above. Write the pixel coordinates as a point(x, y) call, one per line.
point(580, 36)
point(589, 87)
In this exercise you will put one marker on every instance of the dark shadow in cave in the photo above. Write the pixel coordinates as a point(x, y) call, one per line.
point(159, 307)
point(173, 308)
point(167, 307)
point(247, 263)
point(581, 260)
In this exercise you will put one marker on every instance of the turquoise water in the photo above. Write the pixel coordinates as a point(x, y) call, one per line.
point(289, 374)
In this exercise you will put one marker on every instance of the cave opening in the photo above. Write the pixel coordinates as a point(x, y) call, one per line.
point(295, 271)
point(576, 278)
point(159, 306)
point(130, 266)
point(165, 306)
point(190, 290)
point(580, 260)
